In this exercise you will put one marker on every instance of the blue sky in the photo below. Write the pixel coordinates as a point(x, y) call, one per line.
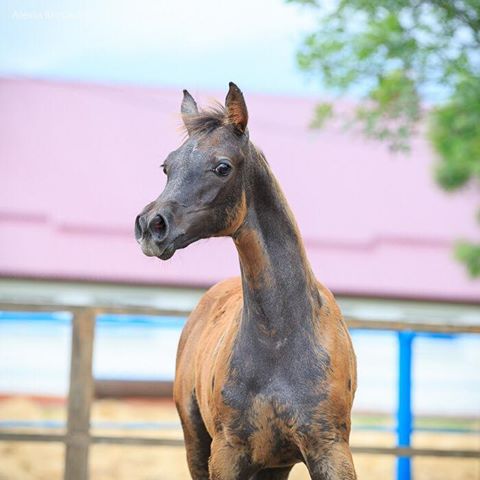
point(194, 44)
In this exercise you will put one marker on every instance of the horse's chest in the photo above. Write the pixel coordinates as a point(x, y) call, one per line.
point(272, 400)
point(286, 386)
point(267, 427)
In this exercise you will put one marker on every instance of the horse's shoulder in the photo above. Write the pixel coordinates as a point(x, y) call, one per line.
point(218, 306)
point(224, 297)
point(227, 285)
point(340, 343)
point(222, 292)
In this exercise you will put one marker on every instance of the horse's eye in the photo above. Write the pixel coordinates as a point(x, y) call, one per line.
point(222, 169)
point(164, 168)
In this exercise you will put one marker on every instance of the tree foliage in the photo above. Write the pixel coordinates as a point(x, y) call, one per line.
point(398, 55)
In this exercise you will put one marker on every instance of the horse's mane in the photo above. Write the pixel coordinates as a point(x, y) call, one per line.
point(206, 120)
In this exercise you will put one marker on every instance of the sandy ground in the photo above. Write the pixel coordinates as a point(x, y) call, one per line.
point(35, 461)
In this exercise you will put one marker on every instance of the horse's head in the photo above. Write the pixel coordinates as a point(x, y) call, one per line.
point(204, 194)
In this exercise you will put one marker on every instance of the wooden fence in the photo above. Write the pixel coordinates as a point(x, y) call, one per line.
point(78, 438)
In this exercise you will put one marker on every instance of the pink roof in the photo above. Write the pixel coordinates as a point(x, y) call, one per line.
point(80, 161)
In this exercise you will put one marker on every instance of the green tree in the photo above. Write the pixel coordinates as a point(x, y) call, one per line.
point(395, 55)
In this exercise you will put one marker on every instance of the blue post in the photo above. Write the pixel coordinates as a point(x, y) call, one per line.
point(404, 412)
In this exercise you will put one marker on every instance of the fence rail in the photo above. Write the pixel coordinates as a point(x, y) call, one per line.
point(177, 442)
point(78, 438)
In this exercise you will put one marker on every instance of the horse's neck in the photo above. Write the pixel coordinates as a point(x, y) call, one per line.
point(280, 292)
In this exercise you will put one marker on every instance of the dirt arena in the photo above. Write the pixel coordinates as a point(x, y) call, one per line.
point(35, 461)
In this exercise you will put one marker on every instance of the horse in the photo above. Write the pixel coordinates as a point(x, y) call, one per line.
point(265, 371)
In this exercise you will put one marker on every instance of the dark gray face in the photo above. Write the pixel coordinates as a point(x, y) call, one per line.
point(204, 195)
point(201, 198)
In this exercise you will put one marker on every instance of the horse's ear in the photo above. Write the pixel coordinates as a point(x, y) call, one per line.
point(236, 108)
point(188, 108)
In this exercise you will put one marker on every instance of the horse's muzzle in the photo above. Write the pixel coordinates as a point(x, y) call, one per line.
point(151, 233)
point(156, 228)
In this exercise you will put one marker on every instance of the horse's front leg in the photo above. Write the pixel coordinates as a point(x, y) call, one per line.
point(229, 462)
point(333, 462)
point(197, 439)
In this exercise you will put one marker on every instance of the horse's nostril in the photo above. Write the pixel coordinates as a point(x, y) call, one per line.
point(158, 226)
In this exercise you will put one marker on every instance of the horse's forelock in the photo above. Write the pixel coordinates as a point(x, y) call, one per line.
point(205, 121)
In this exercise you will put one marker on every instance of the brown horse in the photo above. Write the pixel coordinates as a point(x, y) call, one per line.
point(266, 373)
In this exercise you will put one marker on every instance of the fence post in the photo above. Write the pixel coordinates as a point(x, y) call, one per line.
point(404, 411)
point(80, 396)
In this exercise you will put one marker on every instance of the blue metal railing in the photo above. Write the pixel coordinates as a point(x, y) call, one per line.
point(404, 407)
